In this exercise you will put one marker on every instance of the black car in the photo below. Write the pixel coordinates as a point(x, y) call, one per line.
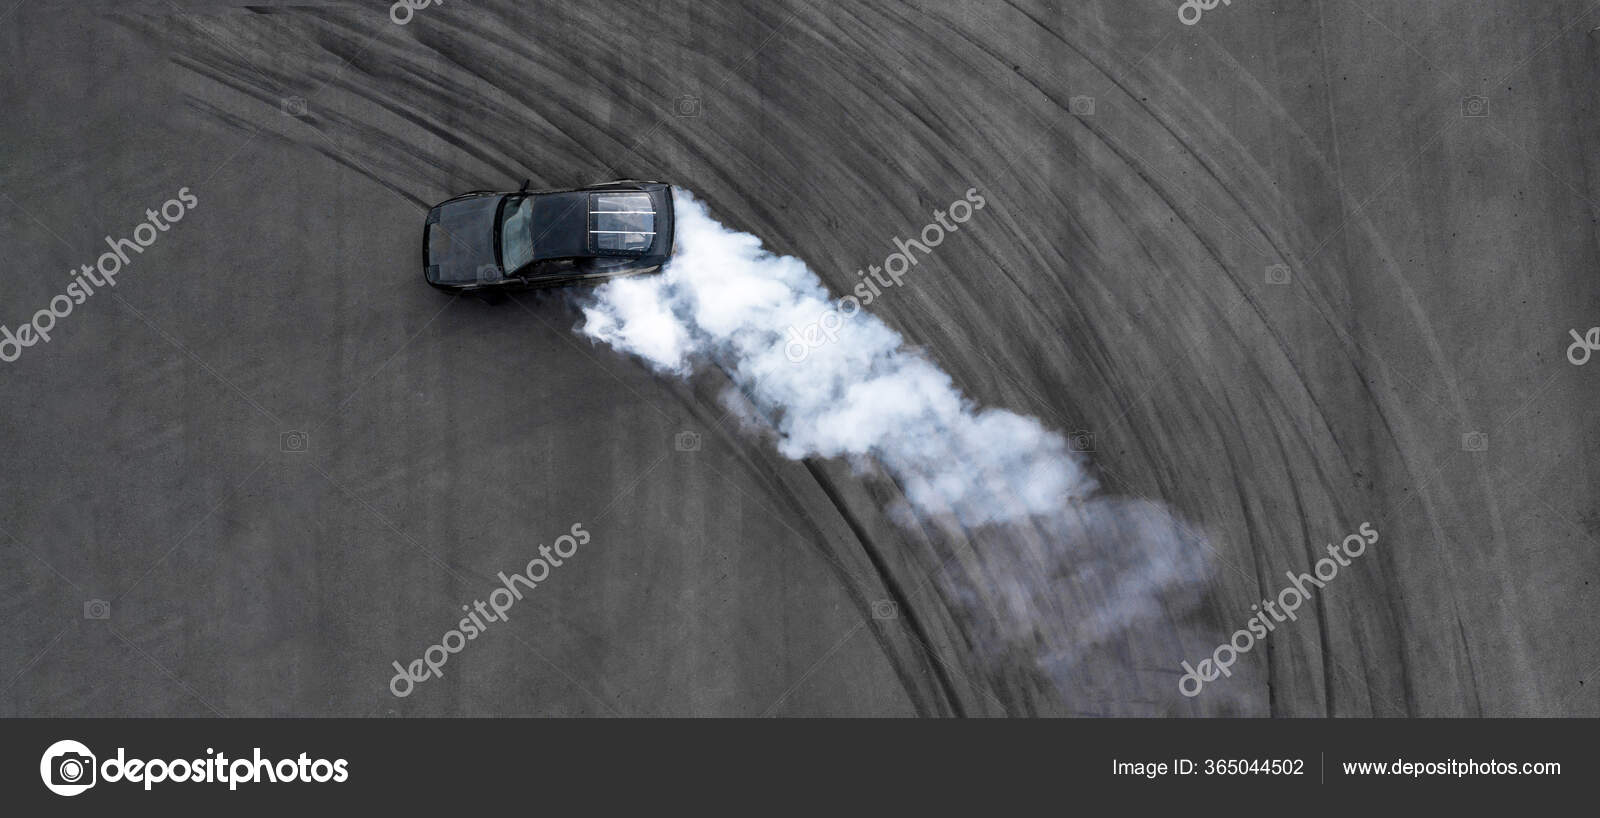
point(486, 242)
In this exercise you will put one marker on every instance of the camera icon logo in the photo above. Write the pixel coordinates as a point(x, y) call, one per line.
point(294, 106)
point(1475, 442)
point(1475, 105)
point(1278, 274)
point(67, 768)
point(488, 273)
point(96, 609)
point(294, 442)
point(687, 442)
point(1081, 441)
point(687, 105)
point(885, 609)
point(1081, 106)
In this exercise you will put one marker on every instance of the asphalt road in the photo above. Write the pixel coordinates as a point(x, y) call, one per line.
point(285, 463)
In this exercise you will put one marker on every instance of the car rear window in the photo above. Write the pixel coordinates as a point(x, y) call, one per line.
point(621, 222)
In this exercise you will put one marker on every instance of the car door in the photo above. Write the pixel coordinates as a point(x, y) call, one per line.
point(552, 270)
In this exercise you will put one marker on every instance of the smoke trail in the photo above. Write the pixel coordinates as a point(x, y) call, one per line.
point(1068, 567)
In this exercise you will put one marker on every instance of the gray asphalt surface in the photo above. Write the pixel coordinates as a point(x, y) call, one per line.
point(1120, 283)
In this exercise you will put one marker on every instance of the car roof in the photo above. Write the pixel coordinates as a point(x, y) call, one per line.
point(561, 222)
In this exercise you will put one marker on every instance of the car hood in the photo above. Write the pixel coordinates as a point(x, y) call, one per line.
point(460, 241)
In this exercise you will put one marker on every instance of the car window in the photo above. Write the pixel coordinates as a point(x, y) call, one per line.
point(516, 233)
point(621, 222)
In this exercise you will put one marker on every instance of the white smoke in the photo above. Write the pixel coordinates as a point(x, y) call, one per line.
point(724, 300)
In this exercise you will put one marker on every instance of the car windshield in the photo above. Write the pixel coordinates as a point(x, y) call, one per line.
point(516, 233)
point(621, 222)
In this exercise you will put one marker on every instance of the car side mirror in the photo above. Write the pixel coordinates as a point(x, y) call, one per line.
point(525, 183)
